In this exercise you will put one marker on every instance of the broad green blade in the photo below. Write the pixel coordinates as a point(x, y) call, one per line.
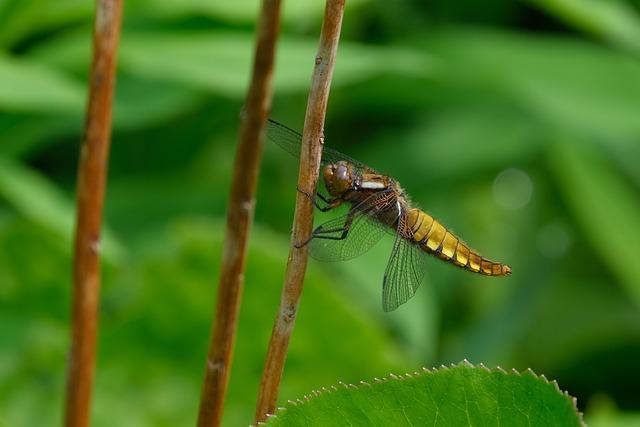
point(461, 395)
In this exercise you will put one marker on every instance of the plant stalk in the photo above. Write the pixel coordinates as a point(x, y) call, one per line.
point(239, 218)
point(311, 152)
point(92, 172)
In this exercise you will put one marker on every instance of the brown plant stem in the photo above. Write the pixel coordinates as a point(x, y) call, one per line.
point(239, 218)
point(92, 171)
point(311, 151)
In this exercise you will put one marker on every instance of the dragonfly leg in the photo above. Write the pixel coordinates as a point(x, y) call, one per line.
point(324, 199)
point(330, 203)
point(319, 232)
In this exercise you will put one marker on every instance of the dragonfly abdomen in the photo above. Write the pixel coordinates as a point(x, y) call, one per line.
point(435, 239)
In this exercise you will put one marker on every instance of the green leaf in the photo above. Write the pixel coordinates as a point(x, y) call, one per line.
point(24, 17)
point(598, 320)
point(460, 395)
point(235, 11)
point(36, 198)
point(220, 62)
point(139, 103)
point(462, 142)
point(565, 82)
point(22, 134)
point(37, 88)
point(180, 269)
point(612, 20)
point(605, 206)
point(156, 312)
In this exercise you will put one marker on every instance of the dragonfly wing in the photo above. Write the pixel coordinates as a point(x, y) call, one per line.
point(349, 236)
point(284, 137)
point(362, 236)
point(290, 141)
point(403, 274)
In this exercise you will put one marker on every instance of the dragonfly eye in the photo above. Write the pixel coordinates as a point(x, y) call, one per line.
point(328, 173)
point(342, 177)
point(342, 173)
point(337, 178)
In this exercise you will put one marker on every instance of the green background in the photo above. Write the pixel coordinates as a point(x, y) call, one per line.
point(517, 124)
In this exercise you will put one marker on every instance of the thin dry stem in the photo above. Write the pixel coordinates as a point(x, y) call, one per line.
point(239, 218)
point(310, 155)
point(92, 171)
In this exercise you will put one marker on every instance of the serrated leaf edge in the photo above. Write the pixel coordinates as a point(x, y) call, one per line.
point(400, 377)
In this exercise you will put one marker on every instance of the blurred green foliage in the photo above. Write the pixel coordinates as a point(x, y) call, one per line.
point(451, 99)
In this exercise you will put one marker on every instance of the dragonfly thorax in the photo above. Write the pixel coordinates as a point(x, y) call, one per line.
point(338, 177)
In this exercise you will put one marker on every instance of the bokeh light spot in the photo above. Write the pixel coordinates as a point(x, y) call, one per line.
point(512, 189)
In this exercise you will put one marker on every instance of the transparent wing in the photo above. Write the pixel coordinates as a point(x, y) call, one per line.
point(404, 272)
point(365, 224)
point(290, 140)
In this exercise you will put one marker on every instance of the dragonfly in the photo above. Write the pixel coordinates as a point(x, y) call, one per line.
point(377, 205)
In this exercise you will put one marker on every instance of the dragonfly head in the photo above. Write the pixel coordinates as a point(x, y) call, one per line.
point(338, 177)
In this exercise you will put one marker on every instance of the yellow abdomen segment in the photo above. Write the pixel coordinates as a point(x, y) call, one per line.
point(434, 238)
